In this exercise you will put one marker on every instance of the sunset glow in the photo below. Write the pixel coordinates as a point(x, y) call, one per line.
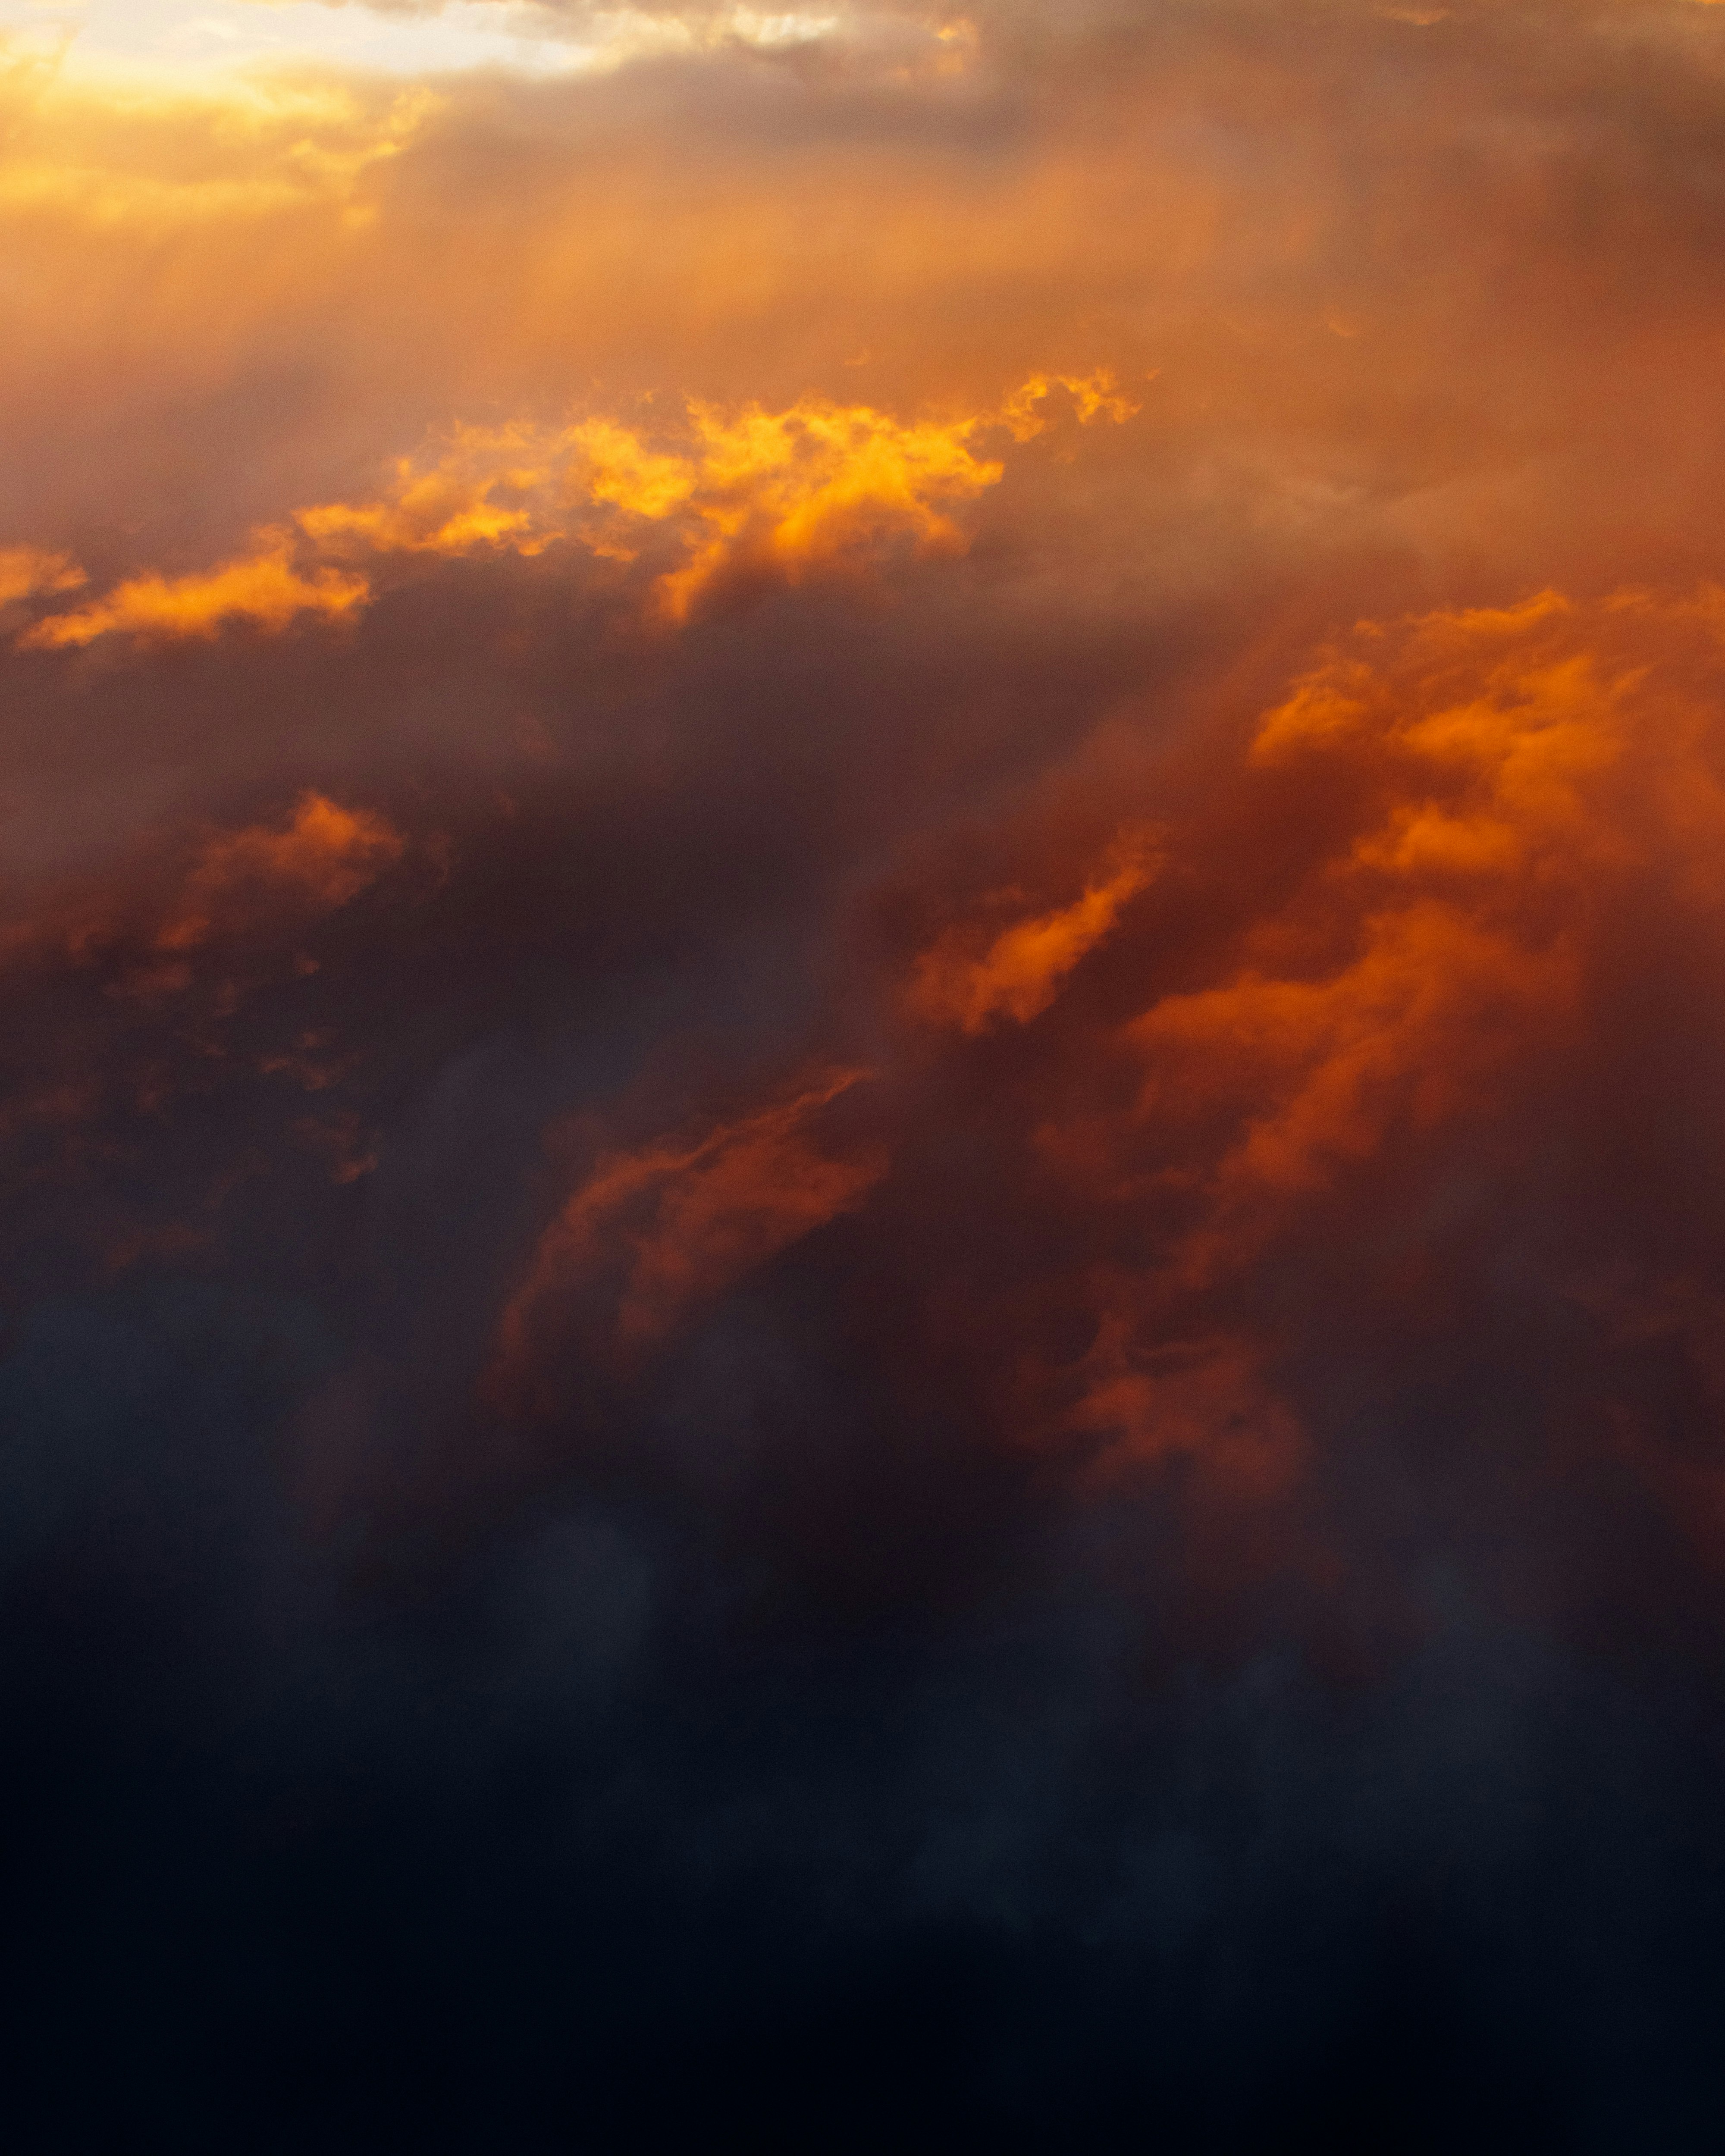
point(864, 927)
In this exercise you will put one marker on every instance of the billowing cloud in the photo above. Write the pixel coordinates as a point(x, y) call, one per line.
point(753, 495)
point(864, 949)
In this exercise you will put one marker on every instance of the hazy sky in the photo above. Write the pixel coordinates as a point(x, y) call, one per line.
point(182, 38)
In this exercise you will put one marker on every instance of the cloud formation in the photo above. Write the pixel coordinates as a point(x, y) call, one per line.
point(863, 942)
point(754, 495)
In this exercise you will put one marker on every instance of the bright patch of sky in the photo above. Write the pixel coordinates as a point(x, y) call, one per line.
point(181, 38)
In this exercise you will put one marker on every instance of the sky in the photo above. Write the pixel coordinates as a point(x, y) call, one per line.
point(171, 43)
point(864, 939)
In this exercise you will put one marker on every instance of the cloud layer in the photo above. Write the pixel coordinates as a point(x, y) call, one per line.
point(863, 938)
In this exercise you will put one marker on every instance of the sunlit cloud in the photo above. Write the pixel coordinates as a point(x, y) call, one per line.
point(969, 979)
point(818, 488)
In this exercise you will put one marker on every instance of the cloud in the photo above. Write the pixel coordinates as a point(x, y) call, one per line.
point(755, 496)
point(262, 588)
point(26, 572)
point(773, 493)
point(326, 856)
point(226, 885)
point(789, 488)
point(680, 1222)
point(865, 970)
point(1019, 973)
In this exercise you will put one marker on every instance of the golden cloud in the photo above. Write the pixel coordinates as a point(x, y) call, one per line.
point(785, 495)
point(263, 589)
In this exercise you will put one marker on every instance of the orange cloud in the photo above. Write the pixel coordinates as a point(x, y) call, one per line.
point(326, 856)
point(1502, 763)
point(781, 494)
point(1506, 762)
point(27, 572)
point(1019, 973)
point(1206, 1400)
point(1321, 1071)
point(491, 487)
point(233, 882)
point(1381, 951)
point(264, 589)
point(623, 471)
point(791, 490)
point(672, 1226)
point(1094, 396)
point(1363, 962)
